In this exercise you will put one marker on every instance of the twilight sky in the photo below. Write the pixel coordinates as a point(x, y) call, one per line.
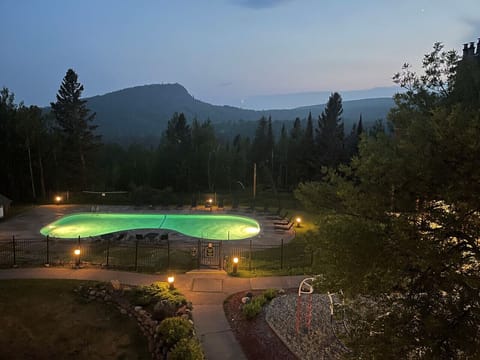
point(222, 51)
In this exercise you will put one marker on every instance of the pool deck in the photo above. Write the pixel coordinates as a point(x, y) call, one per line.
point(28, 224)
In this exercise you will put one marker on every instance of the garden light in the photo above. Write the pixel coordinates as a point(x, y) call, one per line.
point(77, 253)
point(298, 220)
point(235, 265)
point(171, 282)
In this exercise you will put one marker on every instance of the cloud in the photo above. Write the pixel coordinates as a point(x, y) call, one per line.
point(260, 4)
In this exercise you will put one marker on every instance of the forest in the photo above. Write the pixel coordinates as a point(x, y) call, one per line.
point(45, 152)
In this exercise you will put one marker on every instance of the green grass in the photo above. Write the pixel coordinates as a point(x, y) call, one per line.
point(45, 319)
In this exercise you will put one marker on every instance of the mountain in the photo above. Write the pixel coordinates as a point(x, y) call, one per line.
point(143, 111)
point(293, 100)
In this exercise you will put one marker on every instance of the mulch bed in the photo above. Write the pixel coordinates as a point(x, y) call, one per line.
point(257, 339)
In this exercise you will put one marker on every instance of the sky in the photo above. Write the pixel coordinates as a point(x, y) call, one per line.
point(222, 51)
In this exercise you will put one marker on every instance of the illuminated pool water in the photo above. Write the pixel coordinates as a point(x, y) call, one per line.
point(214, 227)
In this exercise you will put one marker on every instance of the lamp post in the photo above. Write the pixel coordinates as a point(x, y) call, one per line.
point(171, 282)
point(77, 253)
point(235, 265)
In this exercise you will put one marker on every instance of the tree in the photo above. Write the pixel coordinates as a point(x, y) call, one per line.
point(173, 163)
point(399, 231)
point(77, 131)
point(307, 161)
point(330, 133)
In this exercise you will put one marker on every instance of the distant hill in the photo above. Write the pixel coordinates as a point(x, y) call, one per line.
point(143, 111)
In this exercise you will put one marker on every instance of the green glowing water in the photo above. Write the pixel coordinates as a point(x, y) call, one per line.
point(214, 227)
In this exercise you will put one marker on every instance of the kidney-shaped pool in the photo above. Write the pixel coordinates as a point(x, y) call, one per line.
point(214, 227)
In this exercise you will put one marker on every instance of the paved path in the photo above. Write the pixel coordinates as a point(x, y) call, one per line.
point(206, 290)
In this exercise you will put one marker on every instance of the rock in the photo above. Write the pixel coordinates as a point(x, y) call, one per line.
point(107, 298)
point(246, 300)
point(137, 308)
point(92, 293)
point(281, 292)
point(123, 311)
point(116, 285)
point(185, 316)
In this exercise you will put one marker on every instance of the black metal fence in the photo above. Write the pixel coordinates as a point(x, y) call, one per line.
point(152, 254)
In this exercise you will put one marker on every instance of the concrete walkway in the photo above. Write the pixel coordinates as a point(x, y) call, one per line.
point(205, 289)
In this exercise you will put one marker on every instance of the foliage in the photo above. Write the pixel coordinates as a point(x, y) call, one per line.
point(173, 329)
point(270, 294)
point(186, 349)
point(399, 225)
point(76, 131)
point(158, 291)
point(330, 133)
point(251, 309)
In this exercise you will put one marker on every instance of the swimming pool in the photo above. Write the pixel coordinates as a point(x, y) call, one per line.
point(213, 227)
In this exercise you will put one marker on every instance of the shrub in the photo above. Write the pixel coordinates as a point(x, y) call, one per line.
point(174, 329)
point(270, 294)
point(253, 308)
point(150, 294)
point(186, 349)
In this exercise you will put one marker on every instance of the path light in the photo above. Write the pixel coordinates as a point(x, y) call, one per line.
point(298, 220)
point(235, 265)
point(171, 282)
point(77, 253)
point(58, 199)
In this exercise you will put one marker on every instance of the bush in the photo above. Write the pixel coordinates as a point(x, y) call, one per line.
point(270, 294)
point(174, 329)
point(253, 308)
point(186, 349)
point(158, 291)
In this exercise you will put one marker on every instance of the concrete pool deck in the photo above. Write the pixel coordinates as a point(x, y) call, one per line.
point(27, 224)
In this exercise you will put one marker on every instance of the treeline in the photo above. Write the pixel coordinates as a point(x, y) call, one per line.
point(42, 153)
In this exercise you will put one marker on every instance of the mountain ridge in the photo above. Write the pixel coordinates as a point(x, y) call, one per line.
point(144, 110)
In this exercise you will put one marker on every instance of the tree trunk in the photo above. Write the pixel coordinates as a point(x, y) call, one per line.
point(84, 170)
point(34, 194)
point(42, 177)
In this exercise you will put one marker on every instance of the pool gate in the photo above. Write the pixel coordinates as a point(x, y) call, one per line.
point(210, 254)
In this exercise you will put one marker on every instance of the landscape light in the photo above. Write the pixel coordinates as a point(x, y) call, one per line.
point(235, 265)
point(77, 257)
point(171, 282)
point(58, 198)
point(298, 220)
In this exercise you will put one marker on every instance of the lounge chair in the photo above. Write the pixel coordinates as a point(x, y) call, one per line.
point(284, 227)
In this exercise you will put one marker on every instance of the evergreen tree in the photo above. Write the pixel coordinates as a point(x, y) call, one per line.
point(330, 133)
point(401, 233)
point(77, 131)
point(172, 164)
point(307, 161)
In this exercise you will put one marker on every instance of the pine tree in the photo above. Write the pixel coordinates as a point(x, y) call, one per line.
point(77, 131)
point(329, 134)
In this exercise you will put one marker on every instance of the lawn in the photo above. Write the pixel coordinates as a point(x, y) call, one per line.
point(46, 319)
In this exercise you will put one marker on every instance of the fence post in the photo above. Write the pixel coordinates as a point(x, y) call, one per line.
point(199, 254)
point(136, 254)
point(168, 254)
point(48, 250)
point(281, 255)
point(14, 252)
point(220, 258)
point(250, 256)
point(108, 250)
